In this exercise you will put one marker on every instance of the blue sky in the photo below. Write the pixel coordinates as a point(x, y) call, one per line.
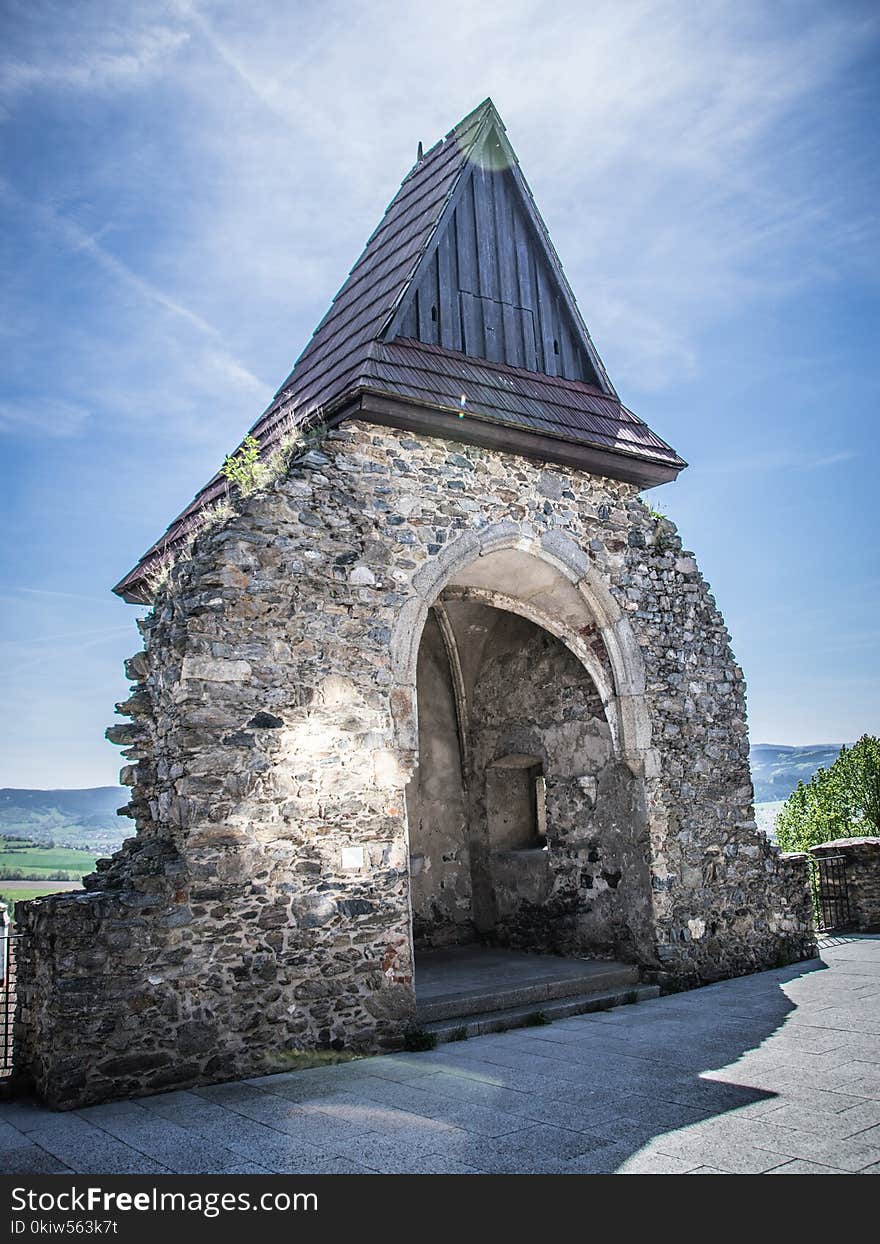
point(184, 185)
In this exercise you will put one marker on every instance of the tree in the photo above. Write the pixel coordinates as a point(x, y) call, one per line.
point(862, 766)
point(840, 802)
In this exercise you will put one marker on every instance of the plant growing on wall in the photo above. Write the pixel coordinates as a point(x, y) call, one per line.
point(243, 469)
point(247, 471)
point(840, 802)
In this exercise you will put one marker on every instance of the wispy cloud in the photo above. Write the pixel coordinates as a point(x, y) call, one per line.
point(827, 460)
point(41, 591)
point(785, 458)
point(43, 415)
point(47, 652)
point(266, 89)
point(58, 417)
point(118, 58)
point(35, 640)
point(79, 240)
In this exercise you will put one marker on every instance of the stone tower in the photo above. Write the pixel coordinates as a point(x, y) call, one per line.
point(433, 674)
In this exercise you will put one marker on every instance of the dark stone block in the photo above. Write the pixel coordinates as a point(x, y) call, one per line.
point(131, 1064)
point(195, 1037)
point(124, 735)
point(239, 738)
point(265, 721)
point(355, 907)
point(313, 911)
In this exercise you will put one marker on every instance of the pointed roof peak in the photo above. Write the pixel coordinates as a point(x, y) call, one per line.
point(476, 125)
point(466, 133)
point(459, 291)
point(480, 113)
point(488, 269)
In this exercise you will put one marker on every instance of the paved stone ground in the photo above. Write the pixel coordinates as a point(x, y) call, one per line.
point(774, 1073)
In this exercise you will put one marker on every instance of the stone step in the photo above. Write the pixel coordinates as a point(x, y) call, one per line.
point(460, 1027)
point(568, 979)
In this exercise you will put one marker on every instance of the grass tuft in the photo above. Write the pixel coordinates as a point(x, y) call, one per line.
point(417, 1040)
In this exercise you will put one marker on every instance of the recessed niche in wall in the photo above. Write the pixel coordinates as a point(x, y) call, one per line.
point(515, 803)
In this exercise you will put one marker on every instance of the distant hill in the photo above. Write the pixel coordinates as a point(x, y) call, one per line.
point(776, 770)
point(79, 818)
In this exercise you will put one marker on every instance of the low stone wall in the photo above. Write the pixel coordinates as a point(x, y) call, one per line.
point(140, 990)
point(862, 857)
point(796, 868)
point(104, 1007)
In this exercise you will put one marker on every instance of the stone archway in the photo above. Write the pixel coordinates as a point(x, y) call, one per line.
point(552, 582)
point(598, 838)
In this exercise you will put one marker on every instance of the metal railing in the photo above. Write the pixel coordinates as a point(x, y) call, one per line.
point(831, 893)
point(10, 942)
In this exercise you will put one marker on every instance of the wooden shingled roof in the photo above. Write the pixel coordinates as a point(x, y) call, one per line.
point(457, 320)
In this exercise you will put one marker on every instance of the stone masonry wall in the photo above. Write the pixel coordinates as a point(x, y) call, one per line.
point(589, 892)
point(263, 906)
point(862, 857)
point(437, 813)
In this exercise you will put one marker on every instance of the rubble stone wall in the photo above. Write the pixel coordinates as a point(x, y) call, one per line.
point(264, 905)
point(862, 864)
point(589, 890)
point(437, 807)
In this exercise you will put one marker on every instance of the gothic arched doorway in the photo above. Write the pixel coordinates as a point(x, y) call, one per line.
point(526, 830)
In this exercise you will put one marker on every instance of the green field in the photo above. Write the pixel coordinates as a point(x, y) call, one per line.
point(38, 863)
point(12, 892)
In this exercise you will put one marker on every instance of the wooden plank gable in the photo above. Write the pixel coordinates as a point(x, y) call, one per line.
point(490, 284)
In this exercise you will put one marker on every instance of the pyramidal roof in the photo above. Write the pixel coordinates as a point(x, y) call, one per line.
point(457, 321)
